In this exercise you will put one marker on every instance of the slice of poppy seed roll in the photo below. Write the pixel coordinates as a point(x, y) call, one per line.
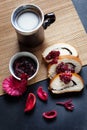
point(57, 86)
point(63, 48)
point(67, 62)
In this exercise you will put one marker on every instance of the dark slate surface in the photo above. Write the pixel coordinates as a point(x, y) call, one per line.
point(81, 7)
point(12, 116)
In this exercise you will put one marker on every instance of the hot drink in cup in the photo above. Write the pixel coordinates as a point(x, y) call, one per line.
point(29, 23)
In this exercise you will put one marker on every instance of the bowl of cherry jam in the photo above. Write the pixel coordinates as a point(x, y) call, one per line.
point(24, 63)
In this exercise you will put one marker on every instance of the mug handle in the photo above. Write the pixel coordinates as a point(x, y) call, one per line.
point(49, 19)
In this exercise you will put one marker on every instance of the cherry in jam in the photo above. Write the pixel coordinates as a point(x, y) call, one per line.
point(63, 67)
point(65, 77)
point(52, 55)
point(24, 65)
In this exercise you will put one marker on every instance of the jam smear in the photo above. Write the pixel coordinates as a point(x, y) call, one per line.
point(24, 65)
point(65, 77)
point(67, 104)
point(54, 61)
point(52, 55)
point(62, 67)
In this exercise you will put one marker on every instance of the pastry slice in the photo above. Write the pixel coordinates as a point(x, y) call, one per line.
point(63, 48)
point(73, 84)
point(65, 63)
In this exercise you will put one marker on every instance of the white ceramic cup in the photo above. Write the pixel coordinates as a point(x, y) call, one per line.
point(18, 55)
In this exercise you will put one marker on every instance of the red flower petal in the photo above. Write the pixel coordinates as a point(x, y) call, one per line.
point(67, 104)
point(13, 86)
point(50, 114)
point(30, 102)
point(42, 94)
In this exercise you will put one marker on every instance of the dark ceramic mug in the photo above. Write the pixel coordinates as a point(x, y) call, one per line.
point(29, 22)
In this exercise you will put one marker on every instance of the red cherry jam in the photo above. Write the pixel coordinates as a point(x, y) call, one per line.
point(52, 55)
point(63, 67)
point(24, 65)
point(65, 77)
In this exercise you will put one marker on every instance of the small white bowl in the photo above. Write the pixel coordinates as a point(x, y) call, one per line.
point(18, 55)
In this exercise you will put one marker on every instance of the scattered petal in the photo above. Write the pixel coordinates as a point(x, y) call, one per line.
point(30, 102)
point(67, 104)
point(50, 114)
point(42, 94)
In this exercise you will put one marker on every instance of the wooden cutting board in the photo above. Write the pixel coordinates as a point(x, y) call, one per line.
point(66, 29)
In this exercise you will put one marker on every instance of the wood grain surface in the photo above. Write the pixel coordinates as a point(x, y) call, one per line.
point(67, 29)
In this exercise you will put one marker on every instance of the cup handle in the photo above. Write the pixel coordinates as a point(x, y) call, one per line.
point(49, 19)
